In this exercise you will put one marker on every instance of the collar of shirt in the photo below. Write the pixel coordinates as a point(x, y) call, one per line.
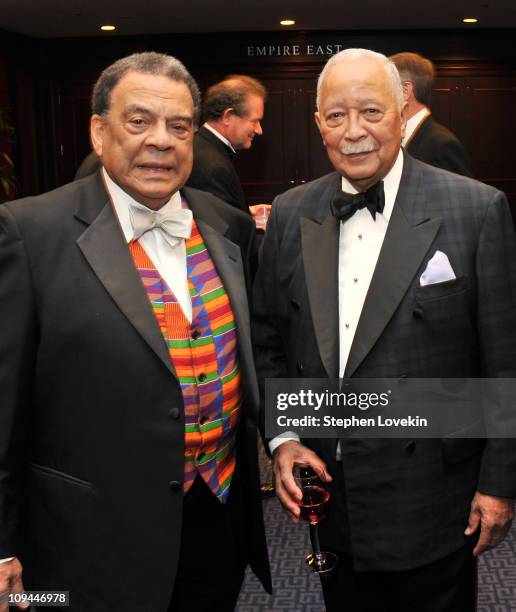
point(169, 261)
point(391, 183)
point(122, 201)
point(413, 123)
point(219, 136)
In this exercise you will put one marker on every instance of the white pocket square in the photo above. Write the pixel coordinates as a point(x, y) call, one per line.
point(438, 270)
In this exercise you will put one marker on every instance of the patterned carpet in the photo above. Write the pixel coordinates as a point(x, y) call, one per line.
point(297, 589)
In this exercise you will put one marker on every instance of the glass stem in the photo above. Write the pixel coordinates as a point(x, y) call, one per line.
point(314, 539)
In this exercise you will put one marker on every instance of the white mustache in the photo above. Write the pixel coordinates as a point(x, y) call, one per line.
point(353, 148)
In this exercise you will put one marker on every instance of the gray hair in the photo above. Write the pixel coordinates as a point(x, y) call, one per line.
point(419, 71)
point(350, 54)
point(149, 62)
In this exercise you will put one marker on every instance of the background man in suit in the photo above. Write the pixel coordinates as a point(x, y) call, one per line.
point(339, 294)
point(424, 138)
point(127, 438)
point(233, 111)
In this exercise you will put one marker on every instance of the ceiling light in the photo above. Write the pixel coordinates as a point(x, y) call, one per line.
point(287, 22)
point(108, 28)
point(470, 20)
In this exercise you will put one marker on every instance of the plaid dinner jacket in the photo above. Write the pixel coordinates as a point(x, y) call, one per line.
point(406, 502)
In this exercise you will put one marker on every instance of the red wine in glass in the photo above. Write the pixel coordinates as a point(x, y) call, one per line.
point(315, 496)
point(312, 504)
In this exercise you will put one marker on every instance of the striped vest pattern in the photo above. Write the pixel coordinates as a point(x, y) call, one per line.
point(204, 355)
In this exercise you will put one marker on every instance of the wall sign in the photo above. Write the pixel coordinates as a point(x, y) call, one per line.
point(291, 50)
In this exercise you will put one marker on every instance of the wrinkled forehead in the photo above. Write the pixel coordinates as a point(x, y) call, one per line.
point(361, 76)
point(134, 85)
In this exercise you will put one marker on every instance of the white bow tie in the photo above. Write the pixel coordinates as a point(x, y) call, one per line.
point(175, 225)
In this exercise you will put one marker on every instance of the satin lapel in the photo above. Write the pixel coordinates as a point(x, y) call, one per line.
point(406, 243)
point(104, 247)
point(320, 251)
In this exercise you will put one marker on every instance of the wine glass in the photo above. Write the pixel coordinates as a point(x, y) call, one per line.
point(315, 496)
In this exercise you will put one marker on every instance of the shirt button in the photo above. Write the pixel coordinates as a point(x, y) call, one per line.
point(418, 313)
point(346, 325)
point(195, 334)
point(175, 485)
point(355, 280)
point(201, 377)
point(174, 413)
point(360, 236)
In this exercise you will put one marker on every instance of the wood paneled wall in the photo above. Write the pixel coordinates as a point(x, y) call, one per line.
point(475, 93)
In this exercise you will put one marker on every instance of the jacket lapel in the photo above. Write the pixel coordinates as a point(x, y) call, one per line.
point(407, 240)
point(104, 247)
point(419, 136)
point(320, 248)
point(216, 142)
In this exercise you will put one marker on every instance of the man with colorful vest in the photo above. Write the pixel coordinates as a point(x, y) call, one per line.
point(128, 467)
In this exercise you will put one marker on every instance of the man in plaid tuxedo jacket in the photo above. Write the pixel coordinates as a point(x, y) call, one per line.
point(352, 298)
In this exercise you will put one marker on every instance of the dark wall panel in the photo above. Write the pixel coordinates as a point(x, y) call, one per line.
point(474, 89)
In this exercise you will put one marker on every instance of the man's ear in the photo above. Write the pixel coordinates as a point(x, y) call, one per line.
point(408, 90)
point(227, 115)
point(97, 128)
point(317, 118)
point(404, 110)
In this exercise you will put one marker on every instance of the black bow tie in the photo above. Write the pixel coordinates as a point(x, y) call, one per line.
point(345, 205)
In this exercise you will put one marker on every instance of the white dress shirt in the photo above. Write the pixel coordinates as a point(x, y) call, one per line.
point(413, 123)
point(219, 136)
point(360, 241)
point(170, 261)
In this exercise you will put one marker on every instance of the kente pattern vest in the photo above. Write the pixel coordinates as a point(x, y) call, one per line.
point(204, 355)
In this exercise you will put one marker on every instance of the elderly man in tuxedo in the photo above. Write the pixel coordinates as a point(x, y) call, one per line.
point(339, 294)
point(128, 467)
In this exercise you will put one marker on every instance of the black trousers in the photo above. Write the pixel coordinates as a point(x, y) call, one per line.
point(447, 585)
point(212, 559)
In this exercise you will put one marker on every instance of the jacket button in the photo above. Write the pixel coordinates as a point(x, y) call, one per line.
point(195, 334)
point(174, 413)
point(418, 313)
point(201, 377)
point(300, 367)
point(175, 485)
point(410, 447)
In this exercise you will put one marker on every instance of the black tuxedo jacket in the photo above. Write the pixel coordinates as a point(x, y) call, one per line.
point(214, 171)
point(401, 503)
point(91, 420)
point(434, 144)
